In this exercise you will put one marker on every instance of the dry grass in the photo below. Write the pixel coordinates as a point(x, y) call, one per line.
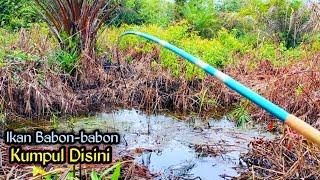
point(32, 89)
point(294, 87)
point(282, 158)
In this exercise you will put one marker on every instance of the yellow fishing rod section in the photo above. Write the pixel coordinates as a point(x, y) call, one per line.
point(303, 128)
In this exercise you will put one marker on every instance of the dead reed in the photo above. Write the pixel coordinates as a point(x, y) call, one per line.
point(32, 89)
point(283, 158)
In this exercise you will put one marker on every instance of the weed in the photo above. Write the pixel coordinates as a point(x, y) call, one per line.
point(71, 122)
point(40, 171)
point(54, 121)
point(17, 56)
point(116, 171)
point(114, 176)
point(112, 173)
point(2, 116)
point(67, 60)
point(240, 114)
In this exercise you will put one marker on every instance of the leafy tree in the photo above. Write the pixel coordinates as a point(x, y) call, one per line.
point(76, 24)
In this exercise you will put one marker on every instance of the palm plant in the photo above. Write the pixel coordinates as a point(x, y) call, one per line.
point(75, 23)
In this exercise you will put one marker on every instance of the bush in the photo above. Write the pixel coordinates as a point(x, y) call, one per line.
point(15, 14)
point(159, 12)
point(283, 21)
point(203, 17)
point(241, 114)
point(230, 5)
point(128, 13)
point(218, 51)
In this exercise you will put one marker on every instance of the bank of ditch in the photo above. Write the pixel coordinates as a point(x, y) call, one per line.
point(34, 90)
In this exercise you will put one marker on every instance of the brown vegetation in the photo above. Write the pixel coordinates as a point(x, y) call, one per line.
point(30, 89)
point(294, 87)
point(282, 158)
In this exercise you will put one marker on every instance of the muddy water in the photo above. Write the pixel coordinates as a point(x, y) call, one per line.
point(171, 146)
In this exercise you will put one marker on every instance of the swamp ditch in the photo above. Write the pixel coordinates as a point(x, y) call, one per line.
point(32, 90)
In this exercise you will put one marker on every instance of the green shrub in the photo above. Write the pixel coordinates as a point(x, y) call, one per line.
point(128, 13)
point(67, 60)
point(268, 51)
point(203, 17)
point(315, 45)
point(279, 20)
point(138, 12)
point(15, 14)
point(230, 5)
point(218, 51)
point(158, 12)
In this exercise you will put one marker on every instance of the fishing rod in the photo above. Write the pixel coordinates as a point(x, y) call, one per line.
point(311, 133)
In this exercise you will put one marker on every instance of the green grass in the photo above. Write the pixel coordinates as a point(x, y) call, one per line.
point(218, 51)
point(113, 173)
point(240, 114)
point(226, 48)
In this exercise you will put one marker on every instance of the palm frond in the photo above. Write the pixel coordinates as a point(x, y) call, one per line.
point(78, 20)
